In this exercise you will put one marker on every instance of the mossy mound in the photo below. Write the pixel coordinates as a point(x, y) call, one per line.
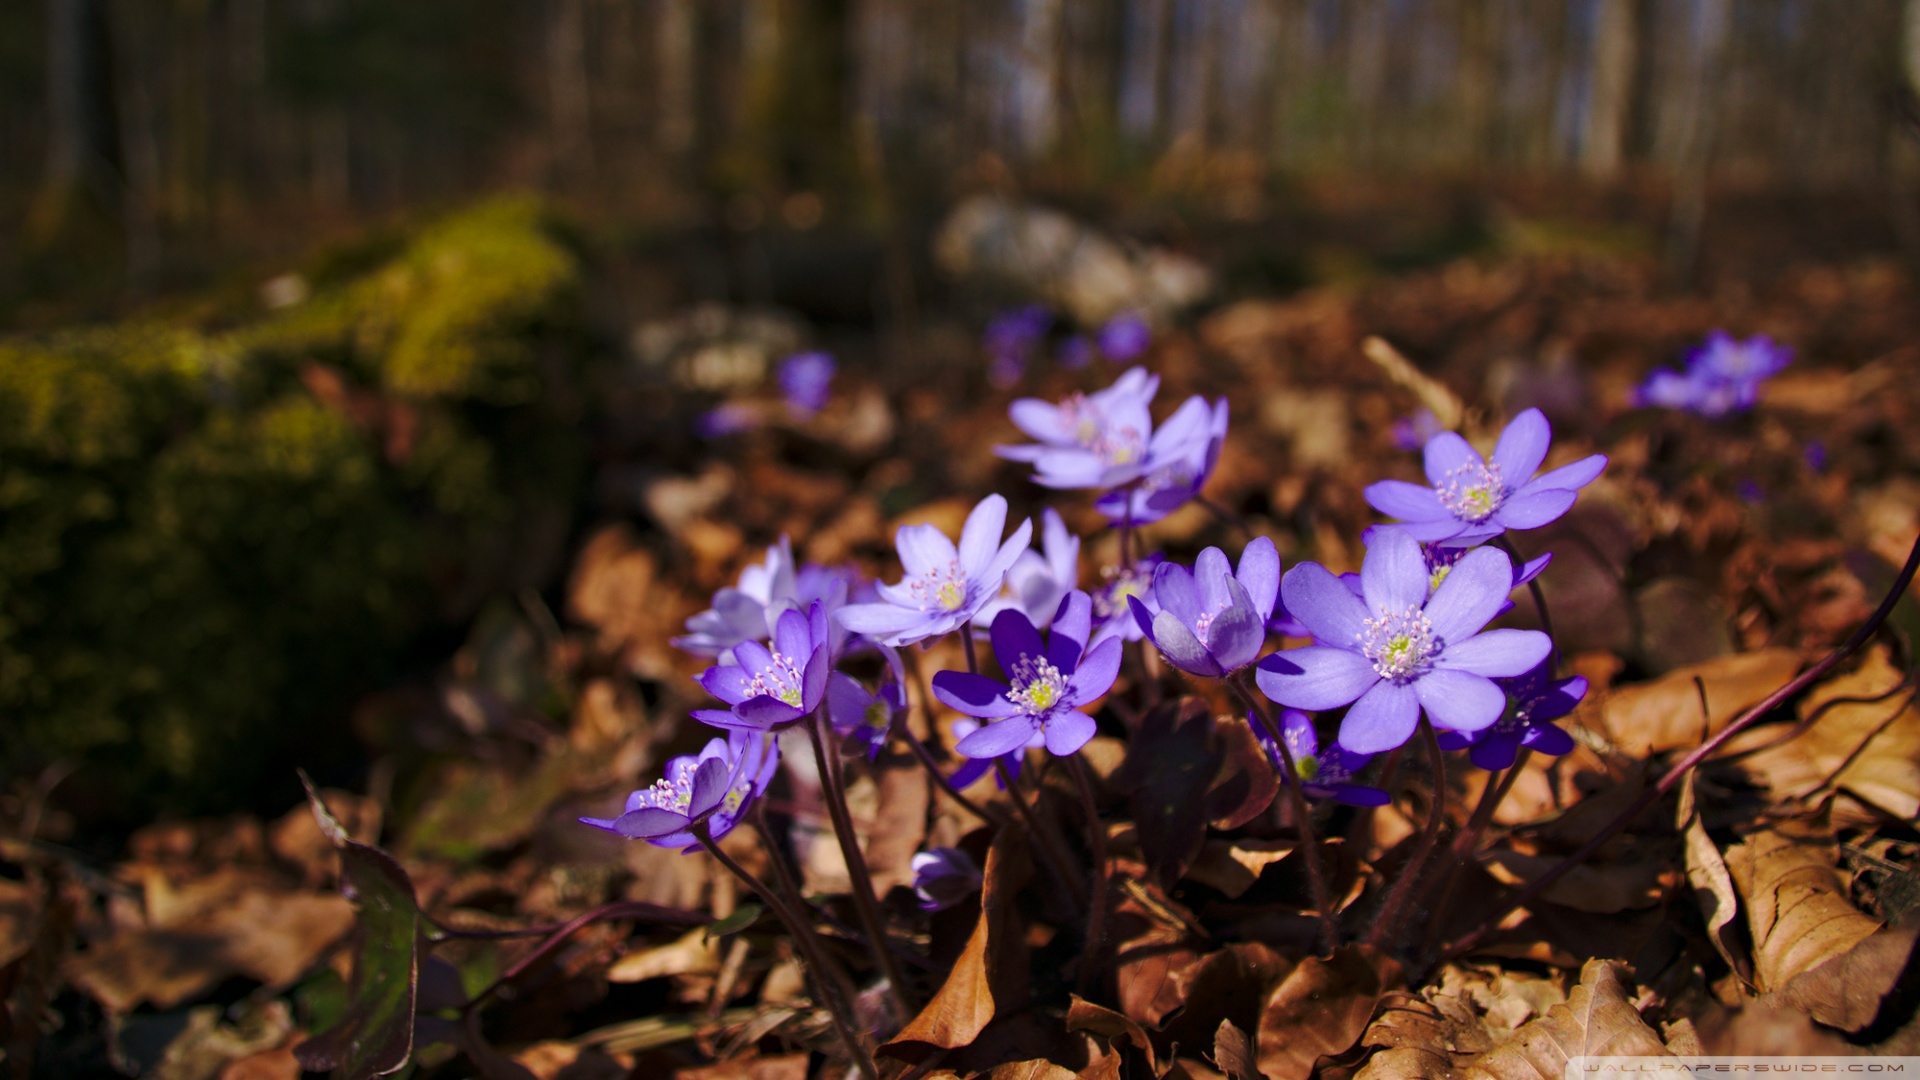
point(210, 542)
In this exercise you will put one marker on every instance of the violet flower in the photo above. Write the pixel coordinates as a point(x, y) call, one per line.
point(806, 381)
point(1180, 459)
point(1440, 559)
point(1050, 682)
point(714, 786)
point(1037, 582)
point(1112, 611)
point(1323, 774)
point(1125, 337)
point(1723, 375)
point(769, 689)
point(974, 768)
point(1474, 498)
point(1011, 340)
point(1413, 432)
point(868, 716)
point(1097, 440)
point(1534, 701)
point(1212, 620)
point(943, 877)
point(1402, 648)
point(1076, 352)
point(747, 611)
point(943, 588)
point(730, 418)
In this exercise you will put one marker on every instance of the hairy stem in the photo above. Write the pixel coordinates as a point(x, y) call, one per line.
point(1408, 883)
point(1705, 750)
point(1468, 842)
point(1302, 816)
point(1050, 847)
point(1091, 957)
point(871, 920)
point(1533, 587)
point(925, 756)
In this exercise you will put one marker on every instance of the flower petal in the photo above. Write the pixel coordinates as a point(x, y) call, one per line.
point(1323, 604)
point(1394, 575)
point(1259, 574)
point(980, 536)
point(1014, 638)
point(728, 682)
point(1210, 573)
point(648, 822)
point(1382, 719)
point(1446, 452)
point(766, 712)
point(1498, 654)
point(792, 637)
point(710, 783)
point(813, 678)
point(1547, 739)
point(878, 619)
point(975, 695)
point(1496, 751)
point(1176, 592)
point(1315, 677)
point(1181, 648)
point(1532, 509)
point(847, 702)
point(997, 738)
point(1577, 475)
point(923, 549)
point(1142, 617)
point(1408, 502)
point(1072, 626)
point(1096, 672)
point(1460, 700)
point(1068, 732)
point(990, 577)
point(1473, 590)
point(1522, 447)
point(1237, 634)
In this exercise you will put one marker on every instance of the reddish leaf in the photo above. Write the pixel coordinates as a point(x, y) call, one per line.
point(1225, 985)
point(1171, 760)
point(1321, 1008)
point(1247, 782)
point(1084, 1015)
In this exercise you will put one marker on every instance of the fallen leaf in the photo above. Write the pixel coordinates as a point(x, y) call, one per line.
point(992, 969)
point(694, 953)
point(1156, 944)
point(1712, 882)
point(1083, 1015)
point(1226, 985)
point(1594, 889)
point(1597, 1019)
point(1665, 714)
point(1171, 759)
point(1232, 866)
point(1850, 991)
point(1247, 782)
point(784, 1067)
point(899, 823)
point(1233, 1052)
point(1797, 907)
point(1037, 1069)
point(1320, 1008)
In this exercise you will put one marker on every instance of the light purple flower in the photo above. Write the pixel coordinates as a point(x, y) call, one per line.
point(1180, 459)
point(1403, 647)
point(1534, 700)
point(1049, 683)
point(769, 689)
point(715, 786)
point(1474, 498)
point(1213, 620)
point(1723, 375)
point(1440, 559)
point(747, 611)
point(943, 877)
point(1323, 774)
point(731, 418)
point(1125, 337)
point(1094, 440)
point(867, 716)
point(974, 768)
point(943, 588)
point(1038, 582)
point(806, 381)
point(1112, 611)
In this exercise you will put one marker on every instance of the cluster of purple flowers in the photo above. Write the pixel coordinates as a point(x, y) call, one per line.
point(1723, 375)
point(1406, 637)
point(1013, 339)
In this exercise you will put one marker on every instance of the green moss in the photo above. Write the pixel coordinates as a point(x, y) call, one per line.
point(202, 562)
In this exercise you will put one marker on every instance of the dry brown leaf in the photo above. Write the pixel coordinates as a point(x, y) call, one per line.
point(1849, 991)
point(1246, 783)
point(1233, 1052)
point(899, 823)
point(1665, 714)
point(693, 953)
point(1712, 882)
point(1232, 866)
point(1868, 749)
point(1225, 985)
point(1083, 1015)
point(1037, 1069)
point(1154, 948)
point(1597, 1019)
point(1797, 907)
point(992, 968)
point(784, 1067)
point(19, 914)
point(1321, 1007)
point(1596, 890)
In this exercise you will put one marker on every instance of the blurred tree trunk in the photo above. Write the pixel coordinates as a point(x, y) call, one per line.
point(77, 210)
point(1615, 36)
point(1698, 96)
point(568, 94)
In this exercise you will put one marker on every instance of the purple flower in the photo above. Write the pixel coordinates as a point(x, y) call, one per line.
point(1414, 432)
point(1112, 612)
point(1401, 648)
point(1094, 440)
point(1323, 774)
point(943, 588)
point(747, 611)
point(1815, 455)
point(974, 768)
point(1180, 459)
point(773, 688)
point(1473, 498)
point(1124, 337)
point(1534, 700)
point(1049, 683)
point(806, 380)
point(714, 786)
point(1723, 375)
point(1076, 352)
point(1037, 583)
point(1440, 559)
point(1212, 621)
point(869, 717)
point(1011, 340)
point(943, 877)
point(731, 418)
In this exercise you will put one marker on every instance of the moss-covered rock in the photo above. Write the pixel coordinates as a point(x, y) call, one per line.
point(210, 542)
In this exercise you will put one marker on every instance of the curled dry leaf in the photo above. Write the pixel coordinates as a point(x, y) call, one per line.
point(992, 969)
point(1712, 882)
point(1227, 985)
point(1596, 890)
point(1120, 1032)
point(1597, 1019)
point(1321, 1007)
point(1247, 782)
point(1797, 907)
point(1665, 714)
point(1233, 1052)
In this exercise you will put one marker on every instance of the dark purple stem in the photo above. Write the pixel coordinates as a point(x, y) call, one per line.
point(1404, 888)
point(1302, 816)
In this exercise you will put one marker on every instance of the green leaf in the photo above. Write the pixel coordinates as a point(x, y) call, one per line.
point(375, 1037)
point(742, 917)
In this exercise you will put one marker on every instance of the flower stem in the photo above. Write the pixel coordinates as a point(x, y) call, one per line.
point(1091, 965)
point(1533, 587)
point(904, 1005)
point(1468, 842)
point(1302, 816)
point(1705, 750)
point(966, 642)
point(1051, 848)
point(985, 813)
point(839, 1006)
point(1404, 888)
